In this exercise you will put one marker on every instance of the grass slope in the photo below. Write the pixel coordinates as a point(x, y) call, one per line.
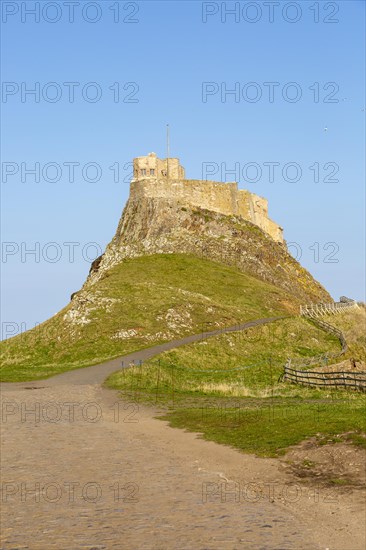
point(139, 303)
point(239, 364)
point(352, 323)
point(205, 388)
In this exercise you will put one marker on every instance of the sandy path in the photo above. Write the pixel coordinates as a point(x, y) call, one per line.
point(158, 471)
point(82, 469)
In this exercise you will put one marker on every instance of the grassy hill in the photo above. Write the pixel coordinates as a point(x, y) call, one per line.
point(138, 303)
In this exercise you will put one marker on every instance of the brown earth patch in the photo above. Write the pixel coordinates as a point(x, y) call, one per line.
point(328, 461)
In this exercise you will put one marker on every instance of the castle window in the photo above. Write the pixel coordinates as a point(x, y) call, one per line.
point(152, 172)
point(143, 172)
point(163, 173)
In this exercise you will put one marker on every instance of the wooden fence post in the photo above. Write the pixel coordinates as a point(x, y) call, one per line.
point(157, 382)
point(173, 385)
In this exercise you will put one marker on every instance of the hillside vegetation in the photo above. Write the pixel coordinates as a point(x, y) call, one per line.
point(169, 271)
point(238, 364)
point(227, 388)
point(352, 323)
point(138, 303)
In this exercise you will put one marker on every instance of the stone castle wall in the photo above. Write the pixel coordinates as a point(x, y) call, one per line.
point(224, 198)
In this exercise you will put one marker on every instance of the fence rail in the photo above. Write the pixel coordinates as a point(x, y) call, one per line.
point(334, 308)
point(336, 332)
point(350, 380)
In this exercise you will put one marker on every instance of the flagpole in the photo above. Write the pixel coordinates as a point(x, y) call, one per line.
point(167, 149)
point(167, 141)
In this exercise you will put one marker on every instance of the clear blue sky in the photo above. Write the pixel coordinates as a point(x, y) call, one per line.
point(168, 53)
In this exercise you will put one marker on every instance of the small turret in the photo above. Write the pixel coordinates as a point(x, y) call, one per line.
point(151, 167)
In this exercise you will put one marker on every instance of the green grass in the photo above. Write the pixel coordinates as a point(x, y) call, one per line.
point(204, 387)
point(160, 298)
point(268, 429)
point(339, 481)
point(238, 364)
point(352, 323)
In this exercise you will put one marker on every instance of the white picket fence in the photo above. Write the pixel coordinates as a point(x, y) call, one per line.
point(334, 308)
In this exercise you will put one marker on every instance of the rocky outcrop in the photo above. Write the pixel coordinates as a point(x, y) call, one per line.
point(153, 225)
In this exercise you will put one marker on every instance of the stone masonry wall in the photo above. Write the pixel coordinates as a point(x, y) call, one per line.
point(224, 198)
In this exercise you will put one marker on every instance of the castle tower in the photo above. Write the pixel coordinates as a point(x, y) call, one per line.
point(151, 167)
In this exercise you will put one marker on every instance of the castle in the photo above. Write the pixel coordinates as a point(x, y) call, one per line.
point(165, 178)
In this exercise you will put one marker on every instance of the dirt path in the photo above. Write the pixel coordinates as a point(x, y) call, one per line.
point(83, 469)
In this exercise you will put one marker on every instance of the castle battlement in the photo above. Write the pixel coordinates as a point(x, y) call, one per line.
point(165, 178)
